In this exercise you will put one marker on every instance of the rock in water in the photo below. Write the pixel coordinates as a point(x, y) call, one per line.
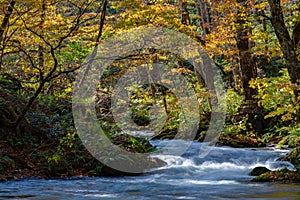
point(258, 171)
point(279, 176)
point(294, 158)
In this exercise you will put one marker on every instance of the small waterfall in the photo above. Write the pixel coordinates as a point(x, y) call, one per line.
point(221, 163)
point(221, 175)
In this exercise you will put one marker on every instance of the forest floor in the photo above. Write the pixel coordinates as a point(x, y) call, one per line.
point(32, 157)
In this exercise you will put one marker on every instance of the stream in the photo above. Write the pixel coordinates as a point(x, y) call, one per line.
point(222, 174)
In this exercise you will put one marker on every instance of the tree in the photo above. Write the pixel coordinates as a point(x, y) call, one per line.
point(205, 20)
point(7, 13)
point(4, 25)
point(42, 32)
point(185, 18)
point(247, 65)
point(288, 45)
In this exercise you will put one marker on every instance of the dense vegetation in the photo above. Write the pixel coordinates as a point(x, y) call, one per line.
point(43, 43)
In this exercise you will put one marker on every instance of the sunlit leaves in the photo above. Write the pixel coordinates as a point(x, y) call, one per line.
point(276, 95)
point(48, 37)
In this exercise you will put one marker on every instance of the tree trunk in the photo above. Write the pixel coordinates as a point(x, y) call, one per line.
point(248, 68)
point(185, 18)
point(247, 64)
point(6, 18)
point(287, 45)
point(3, 27)
point(296, 34)
point(205, 18)
point(40, 48)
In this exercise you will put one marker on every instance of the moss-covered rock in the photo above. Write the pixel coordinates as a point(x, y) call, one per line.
point(148, 165)
point(166, 133)
point(258, 171)
point(240, 141)
point(294, 157)
point(284, 175)
point(281, 176)
point(294, 141)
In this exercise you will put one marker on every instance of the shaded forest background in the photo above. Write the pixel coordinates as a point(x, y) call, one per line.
point(255, 44)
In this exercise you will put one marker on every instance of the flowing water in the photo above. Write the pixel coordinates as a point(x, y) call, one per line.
point(222, 174)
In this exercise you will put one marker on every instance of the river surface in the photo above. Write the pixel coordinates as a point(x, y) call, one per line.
point(222, 174)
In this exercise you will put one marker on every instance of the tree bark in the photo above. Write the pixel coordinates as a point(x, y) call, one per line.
point(248, 69)
point(185, 17)
point(288, 46)
point(205, 17)
point(247, 64)
point(296, 34)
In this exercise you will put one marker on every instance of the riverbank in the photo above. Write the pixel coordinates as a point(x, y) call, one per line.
point(223, 173)
point(52, 159)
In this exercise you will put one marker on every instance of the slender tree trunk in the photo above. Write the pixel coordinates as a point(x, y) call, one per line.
point(3, 27)
point(287, 45)
point(41, 67)
point(205, 18)
point(185, 18)
point(40, 48)
point(94, 53)
point(6, 18)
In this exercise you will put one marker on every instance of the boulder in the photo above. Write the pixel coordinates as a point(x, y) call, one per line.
point(294, 157)
point(280, 176)
point(141, 168)
point(258, 171)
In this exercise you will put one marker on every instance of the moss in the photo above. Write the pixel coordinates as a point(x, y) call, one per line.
point(167, 132)
point(294, 157)
point(258, 171)
point(239, 140)
point(261, 178)
point(294, 141)
point(281, 176)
